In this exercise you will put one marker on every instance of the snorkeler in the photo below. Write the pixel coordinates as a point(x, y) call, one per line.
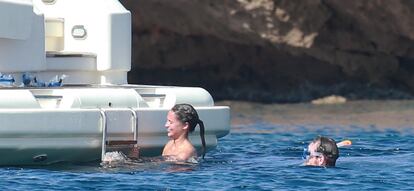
point(182, 120)
point(322, 151)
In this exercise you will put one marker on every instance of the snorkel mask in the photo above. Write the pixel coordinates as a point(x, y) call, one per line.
point(307, 154)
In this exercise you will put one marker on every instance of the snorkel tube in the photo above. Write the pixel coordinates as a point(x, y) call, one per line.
point(344, 143)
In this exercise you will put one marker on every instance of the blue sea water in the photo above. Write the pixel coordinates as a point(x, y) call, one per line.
point(251, 157)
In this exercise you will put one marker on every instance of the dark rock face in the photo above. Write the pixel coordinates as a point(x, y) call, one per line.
point(276, 50)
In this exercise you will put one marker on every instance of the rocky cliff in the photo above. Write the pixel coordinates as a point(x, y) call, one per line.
point(276, 50)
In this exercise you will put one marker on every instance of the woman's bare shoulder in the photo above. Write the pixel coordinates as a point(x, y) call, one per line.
point(187, 152)
point(167, 148)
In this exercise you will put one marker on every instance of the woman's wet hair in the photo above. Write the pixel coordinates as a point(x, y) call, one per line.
point(187, 114)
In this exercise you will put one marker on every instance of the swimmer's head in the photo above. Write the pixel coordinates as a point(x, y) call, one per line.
point(186, 114)
point(322, 151)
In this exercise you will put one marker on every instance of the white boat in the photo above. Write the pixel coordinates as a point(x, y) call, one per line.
point(89, 42)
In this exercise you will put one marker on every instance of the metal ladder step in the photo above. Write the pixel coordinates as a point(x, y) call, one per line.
point(133, 144)
point(121, 142)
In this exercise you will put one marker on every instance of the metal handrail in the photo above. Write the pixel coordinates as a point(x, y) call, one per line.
point(134, 123)
point(104, 132)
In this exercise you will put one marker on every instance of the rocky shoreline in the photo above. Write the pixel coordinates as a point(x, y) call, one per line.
point(276, 50)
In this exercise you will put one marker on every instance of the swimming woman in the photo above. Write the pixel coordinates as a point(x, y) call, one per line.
point(182, 120)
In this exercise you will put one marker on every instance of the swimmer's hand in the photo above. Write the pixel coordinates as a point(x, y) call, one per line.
point(344, 143)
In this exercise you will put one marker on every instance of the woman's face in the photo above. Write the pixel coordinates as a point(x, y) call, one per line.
point(175, 128)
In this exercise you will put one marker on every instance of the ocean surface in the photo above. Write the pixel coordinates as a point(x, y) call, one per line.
point(263, 152)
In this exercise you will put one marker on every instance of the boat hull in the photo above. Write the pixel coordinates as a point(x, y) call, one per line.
point(55, 131)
